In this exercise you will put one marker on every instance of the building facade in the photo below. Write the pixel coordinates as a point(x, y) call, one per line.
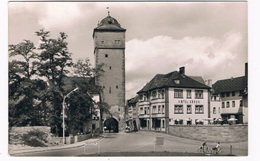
point(172, 99)
point(109, 51)
point(178, 99)
point(215, 108)
point(233, 100)
point(132, 119)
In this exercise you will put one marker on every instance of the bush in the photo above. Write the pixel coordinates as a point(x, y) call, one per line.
point(35, 138)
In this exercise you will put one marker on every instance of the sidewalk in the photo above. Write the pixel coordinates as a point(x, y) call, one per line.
point(59, 147)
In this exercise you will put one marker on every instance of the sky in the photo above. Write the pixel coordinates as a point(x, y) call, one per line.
point(209, 39)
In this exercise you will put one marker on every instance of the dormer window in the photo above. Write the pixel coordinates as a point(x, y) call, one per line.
point(177, 81)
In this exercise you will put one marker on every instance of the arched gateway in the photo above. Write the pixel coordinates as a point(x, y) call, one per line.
point(111, 125)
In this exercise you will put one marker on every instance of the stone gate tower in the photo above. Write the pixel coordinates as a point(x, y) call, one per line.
point(109, 49)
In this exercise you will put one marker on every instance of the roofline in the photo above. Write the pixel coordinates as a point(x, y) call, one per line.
point(216, 93)
point(229, 79)
point(107, 48)
point(172, 87)
point(107, 30)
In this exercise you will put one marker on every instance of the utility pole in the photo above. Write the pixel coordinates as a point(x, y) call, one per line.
point(63, 113)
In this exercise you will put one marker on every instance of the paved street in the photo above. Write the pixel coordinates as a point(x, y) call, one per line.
point(135, 142)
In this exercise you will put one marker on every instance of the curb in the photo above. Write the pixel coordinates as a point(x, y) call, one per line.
point(44, 149)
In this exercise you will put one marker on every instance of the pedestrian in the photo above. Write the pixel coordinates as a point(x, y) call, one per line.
point(217, 147)
point(204, 146)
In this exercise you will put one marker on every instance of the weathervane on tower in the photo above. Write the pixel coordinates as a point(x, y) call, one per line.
point(108, 12)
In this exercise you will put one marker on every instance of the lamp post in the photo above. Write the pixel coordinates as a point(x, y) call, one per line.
point(63, 112)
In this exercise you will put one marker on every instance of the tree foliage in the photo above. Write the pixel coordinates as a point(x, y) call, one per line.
point(37, 84)
point(23, 89)
point(36, 81)
point(84, 69)
point(54, 61)
point(87, 81)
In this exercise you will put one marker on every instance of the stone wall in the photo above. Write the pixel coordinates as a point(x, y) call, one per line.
point(15, 134)
point(210, 133)
point(25, 129)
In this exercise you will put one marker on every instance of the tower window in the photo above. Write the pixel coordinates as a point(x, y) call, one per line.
point(109, 89)
point(110, 67)
point(116, 86)
point(117, 42)
point(102, 42)
point(106, 55)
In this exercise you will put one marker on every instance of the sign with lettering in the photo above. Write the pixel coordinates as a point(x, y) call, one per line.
point(188, 101)
point(159, 141)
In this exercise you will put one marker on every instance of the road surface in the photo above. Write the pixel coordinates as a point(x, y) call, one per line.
point(137, 142)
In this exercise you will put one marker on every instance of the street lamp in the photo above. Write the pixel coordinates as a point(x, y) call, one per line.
point(63, 112)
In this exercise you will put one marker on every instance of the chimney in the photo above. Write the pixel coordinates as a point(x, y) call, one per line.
point(182, 70)
point(246, 69)
point(209, 82)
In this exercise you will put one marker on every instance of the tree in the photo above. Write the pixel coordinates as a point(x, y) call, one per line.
point(86, 83)
point(83, 69)
point(23, 88)
point(79, 110)
point(37, 84)
point(54, 61)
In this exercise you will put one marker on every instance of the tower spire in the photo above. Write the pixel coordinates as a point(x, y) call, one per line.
point(108, 12)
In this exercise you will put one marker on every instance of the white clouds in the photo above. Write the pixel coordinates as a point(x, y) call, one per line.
point(194, 35)
point(61, 15)
point(203, 56)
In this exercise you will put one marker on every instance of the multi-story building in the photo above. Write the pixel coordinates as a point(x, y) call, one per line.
point(132, 119)
point(173, 98)
point(109, 50)
point(215, 108)
point(233, 98)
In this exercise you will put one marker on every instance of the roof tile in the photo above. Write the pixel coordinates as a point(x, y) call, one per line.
point(173, 79)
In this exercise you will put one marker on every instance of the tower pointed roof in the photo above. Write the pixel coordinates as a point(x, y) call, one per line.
point(109, 24)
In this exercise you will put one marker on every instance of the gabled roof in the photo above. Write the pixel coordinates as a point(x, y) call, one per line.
point(198, 78)
point(230, 85)
point(133, 100)
point(173, 79)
